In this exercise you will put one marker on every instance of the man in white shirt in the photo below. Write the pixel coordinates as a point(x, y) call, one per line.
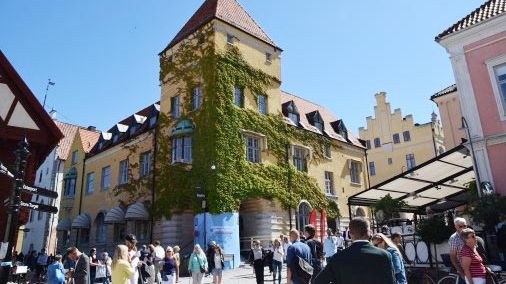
point(329, 245)
point(340, 241)
point(159, 255)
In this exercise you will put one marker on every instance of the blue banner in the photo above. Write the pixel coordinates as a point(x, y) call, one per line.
point(222, 229)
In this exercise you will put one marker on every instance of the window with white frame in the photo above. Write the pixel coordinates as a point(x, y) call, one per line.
point(106, 178)
point(239, 96)
point(196, 98)
point(74, 157)
point(175, 106)
point(319, 126)
point(294, 117)
point(355, 169)
point(377, 143)
point(327, 152)
point(252, 149)
point(500, 74)
point(372, 169)
point(70, 187)
point(230, 39)
point(145, 164)
point(40, 214)
point(262, 104)
point(182, 149)
point(123, 172)
point(407, 136)
point(90, 182)
point(396, 138)
point(299, 158)
point(410, 161)
point(329, 183)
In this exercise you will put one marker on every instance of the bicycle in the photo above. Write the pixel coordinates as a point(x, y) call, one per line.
point(419, 275)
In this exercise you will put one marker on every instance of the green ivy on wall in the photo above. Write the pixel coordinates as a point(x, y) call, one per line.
point(217, 138)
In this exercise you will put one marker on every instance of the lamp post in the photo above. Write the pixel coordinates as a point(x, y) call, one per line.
point(475, 163)
point(22, 154)
point(201, 194)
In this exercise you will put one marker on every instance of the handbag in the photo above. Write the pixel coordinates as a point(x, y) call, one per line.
point(100, 272)
point(202, 267)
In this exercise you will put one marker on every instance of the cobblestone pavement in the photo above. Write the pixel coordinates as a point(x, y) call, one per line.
point(241, 275)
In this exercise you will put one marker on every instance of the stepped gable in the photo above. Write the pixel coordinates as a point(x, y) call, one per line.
point(228, 11)
point(305, 107)
point(488, 10)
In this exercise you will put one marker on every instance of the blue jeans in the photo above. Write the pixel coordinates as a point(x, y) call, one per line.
point(276, 269)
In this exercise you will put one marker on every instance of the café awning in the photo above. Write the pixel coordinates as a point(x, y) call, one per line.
point(438, 184)
point(64, 224)
point(115, 216)
point(82, 221)
point(137, 211)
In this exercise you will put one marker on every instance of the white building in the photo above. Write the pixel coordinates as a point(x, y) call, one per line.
point(42, 226)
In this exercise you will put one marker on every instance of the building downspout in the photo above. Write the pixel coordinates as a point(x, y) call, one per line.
point(81, 196)
point(433, 139)
point(289, 182)
point(153, 181)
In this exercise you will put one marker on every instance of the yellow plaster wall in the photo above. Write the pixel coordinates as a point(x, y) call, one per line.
point(451, 118)
point(384, 125)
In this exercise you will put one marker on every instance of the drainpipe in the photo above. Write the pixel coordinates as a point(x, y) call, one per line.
point(289, 183)
point(433, 139)
point(81, 196)
point(153, 180)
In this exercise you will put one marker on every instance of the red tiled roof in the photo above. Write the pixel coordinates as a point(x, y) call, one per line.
point(69, 133)
point(88, 138)
point(228, 11)
point(488, 10)
point(445, 91)
point(304, 107)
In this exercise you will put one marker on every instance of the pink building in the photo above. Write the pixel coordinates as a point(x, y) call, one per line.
point(477, 48)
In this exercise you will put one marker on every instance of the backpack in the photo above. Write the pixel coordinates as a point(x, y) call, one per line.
point(303, 271)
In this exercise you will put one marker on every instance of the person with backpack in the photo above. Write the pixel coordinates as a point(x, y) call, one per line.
point(298, 261)
point(316, 249)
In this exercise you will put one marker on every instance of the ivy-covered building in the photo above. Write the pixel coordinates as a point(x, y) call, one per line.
point(223, 139)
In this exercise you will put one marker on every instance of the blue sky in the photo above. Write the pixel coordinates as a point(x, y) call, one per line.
point(102, 55)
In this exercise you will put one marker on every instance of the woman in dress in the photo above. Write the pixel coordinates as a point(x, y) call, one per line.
point(382, 241)
point(277, 260)
point(168, 269)
point(197, 265)
point(177, 257)
point(217, 264)
point(122, 269)
point(133, 256)
point(94, 263)
point(471, 261)
point(256, 258)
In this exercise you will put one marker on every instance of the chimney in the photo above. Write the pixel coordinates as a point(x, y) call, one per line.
point(92, 128)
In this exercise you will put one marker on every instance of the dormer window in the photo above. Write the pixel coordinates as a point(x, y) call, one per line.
point(100, 145)
point(230, 39)
point(341, 129)
point(316, 120)
point(115, 138)
point(290, 110)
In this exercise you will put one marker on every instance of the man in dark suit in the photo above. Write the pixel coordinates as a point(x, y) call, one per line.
point(81, 274)
point(361, 262)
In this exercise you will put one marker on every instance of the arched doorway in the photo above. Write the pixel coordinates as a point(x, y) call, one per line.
point(100, 229)
point(303, 215)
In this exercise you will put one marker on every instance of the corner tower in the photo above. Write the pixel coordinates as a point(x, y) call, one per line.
point(226, 24)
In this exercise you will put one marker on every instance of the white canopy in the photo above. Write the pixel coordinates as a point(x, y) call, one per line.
point(114, 216)
point(82, 221)
point(137, 211)
point(438, 184)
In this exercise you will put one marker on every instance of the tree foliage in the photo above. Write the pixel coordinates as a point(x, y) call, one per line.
point(433, 229)
point(388, 208)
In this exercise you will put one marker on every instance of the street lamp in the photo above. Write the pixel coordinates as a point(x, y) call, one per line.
point(475, 163)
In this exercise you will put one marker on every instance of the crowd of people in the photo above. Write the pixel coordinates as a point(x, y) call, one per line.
point(369, 258)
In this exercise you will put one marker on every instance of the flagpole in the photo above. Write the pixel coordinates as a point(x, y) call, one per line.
point(49, 83)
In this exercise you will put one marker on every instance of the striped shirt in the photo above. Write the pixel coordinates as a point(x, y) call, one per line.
point(477, 268)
